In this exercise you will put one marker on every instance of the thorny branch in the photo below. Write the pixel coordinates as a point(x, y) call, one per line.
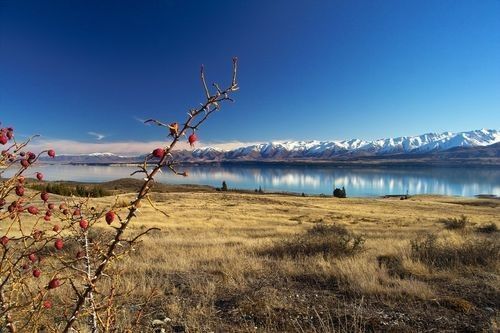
point(211, 104)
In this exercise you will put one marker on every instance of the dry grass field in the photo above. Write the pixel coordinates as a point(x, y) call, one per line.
point(245, 262)
point(231, 262)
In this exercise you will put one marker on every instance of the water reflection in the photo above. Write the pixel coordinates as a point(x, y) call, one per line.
point(307, 179)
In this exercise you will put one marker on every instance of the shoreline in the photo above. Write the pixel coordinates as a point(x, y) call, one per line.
point(127, 185)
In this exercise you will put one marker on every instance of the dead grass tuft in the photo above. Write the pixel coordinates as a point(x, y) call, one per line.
point(456, 223)
point(327, 240)
point(447, 253)
point(488, 228)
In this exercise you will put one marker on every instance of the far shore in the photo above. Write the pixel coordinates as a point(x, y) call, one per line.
point(128, 185)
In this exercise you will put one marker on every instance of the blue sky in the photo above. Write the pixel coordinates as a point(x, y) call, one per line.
point(86, 71)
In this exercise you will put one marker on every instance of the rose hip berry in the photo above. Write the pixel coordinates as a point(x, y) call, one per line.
point(192, 139)
point(44, 196)
point(20, 190)
point(84, 224)
point(56, 228)
point(37, 273)
point(32, 257)
point(159, 152)
point(39, 176)
point(110, 217)
point(4, 240)
point(54, 283)
point(3, 139)
point(58, 244)
point(32, 210)
point(47, 304)
point(51, 153)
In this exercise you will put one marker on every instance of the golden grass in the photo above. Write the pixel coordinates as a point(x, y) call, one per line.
point(209, 268)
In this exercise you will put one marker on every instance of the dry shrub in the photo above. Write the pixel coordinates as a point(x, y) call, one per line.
point(456, 223)
point(394, 265)
point(322, 239)
point(445, 253)
point(488, 228)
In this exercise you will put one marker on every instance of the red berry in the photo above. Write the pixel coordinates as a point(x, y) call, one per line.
point(32, 210)
point(20, 190)
point(110, 217)
point(77, 212)
point(31, 156)
point(20, 179)
point(25, 163)
point(44, 196)
point(51, 206)
point(192, 139)
point(159, 152)
point(65, 212)
point(37, 272)
point(39, 176)
point(3, 139)
point(58, 244)
point(54, 283)
point(47, 304)
point(48, 213)
point(10, 133)
point(84, 224)
point(51, 153)
point(56, 228)
point(46, 218)
point(4, 240)
point(32, 257)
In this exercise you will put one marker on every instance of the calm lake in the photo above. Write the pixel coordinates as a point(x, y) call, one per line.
point(310, 179)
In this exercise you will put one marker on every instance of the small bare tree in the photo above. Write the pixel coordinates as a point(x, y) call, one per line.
point(44, 246)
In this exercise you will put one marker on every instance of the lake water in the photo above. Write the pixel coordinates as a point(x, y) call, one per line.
point(310, 179)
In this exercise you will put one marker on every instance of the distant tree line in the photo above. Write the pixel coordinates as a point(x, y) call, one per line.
point(68, 190)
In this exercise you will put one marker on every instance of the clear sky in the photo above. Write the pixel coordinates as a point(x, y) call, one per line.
point(86, 71)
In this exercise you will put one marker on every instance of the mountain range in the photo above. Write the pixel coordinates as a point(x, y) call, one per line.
point(463, 145)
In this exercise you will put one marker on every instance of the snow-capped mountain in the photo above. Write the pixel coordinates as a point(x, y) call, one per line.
point(431, 143)
point(425, 143)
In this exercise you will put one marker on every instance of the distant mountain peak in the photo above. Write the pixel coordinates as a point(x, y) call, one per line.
point(316, 150)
